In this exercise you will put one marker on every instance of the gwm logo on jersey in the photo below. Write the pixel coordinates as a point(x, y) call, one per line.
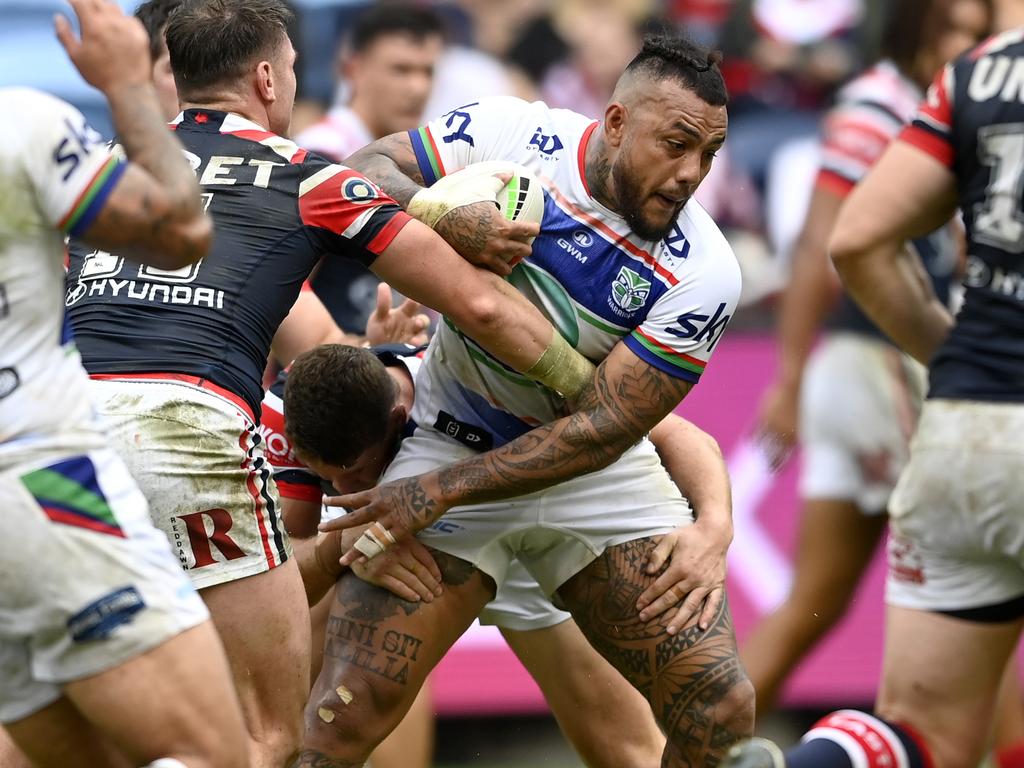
point(629, 290)
point(358, 191)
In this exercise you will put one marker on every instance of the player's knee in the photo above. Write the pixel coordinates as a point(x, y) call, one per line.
point(349, 720)
point(275, 733)
point(734, 711)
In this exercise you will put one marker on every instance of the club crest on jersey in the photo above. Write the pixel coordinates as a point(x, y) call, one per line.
point(629, 290)
point(358, 191)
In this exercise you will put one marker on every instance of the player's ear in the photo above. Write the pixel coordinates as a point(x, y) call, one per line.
point(615, 117)
point(265, 81)
point(398, 418)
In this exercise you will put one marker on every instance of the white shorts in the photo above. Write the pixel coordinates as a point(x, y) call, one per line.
point(520, 604)
point(957, 515)
point(198, 457)
point(858, 409)
point(557, 532)
point(88, 582)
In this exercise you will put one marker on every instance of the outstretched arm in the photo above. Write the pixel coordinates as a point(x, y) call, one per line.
point(627, 398)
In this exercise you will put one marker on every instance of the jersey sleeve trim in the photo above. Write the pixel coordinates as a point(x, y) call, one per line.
point(664, 358)
point(927, 141)
point(388, 233)
point(834, 182)
point(292, 485)
point(427, 156)
point(87, 207)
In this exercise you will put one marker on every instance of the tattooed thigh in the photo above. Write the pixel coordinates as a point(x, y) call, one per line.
point(693, 680)
point(378, 650)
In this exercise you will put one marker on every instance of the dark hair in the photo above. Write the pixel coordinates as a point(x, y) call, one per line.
point(337, 401)
point(693, 65)
point(154, 14)
point(913, 25)
point(393, 18)
point(212, 42)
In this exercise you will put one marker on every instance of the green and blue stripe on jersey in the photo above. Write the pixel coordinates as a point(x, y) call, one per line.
point(93, 196)
point(69, 493)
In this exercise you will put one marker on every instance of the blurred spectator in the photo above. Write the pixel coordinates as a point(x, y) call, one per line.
point(783, 60)
point(701, 19)
point(385, 75)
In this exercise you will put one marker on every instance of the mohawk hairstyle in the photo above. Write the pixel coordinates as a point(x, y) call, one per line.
point(671, 56)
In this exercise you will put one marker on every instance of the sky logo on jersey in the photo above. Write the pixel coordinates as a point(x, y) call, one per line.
point(458, 121)
point(546, 145)
point(702, 328)
point(358, 191)
point(629, 290)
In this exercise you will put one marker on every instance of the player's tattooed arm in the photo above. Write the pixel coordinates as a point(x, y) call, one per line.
point(625, 400)
point(391, 164)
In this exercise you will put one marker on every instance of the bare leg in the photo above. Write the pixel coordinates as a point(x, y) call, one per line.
point(10, 755)
point(835, 544)
point(944, 688)
point(1009, 720)
point(693, 680)
point(264, 623)
point(379, 651)
point(174, 701)
point(608, 722)
point(411, 744)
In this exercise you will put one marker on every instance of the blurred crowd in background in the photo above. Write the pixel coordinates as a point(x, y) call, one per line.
point(783, 61)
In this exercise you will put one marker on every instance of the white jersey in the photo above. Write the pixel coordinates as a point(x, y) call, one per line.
point(597, 282)
point(55, 175)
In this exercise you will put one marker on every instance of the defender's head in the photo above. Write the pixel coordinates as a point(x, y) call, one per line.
point(342, 415)
point(665, 121)
point(389, 63)
point(234, 50)
point(154, 15)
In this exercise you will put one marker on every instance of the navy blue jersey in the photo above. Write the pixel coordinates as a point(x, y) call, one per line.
point(277, 210)
point(973, 121)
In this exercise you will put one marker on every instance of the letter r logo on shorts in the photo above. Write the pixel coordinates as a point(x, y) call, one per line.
point(200, 540)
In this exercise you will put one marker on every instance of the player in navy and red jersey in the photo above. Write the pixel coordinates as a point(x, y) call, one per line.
point(956, 558)
point(177, 357)
point(830, 351)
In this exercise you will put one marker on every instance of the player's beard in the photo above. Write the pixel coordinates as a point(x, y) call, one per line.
point(630, 196)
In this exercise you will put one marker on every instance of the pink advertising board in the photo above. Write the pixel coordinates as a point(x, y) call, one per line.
point(480, 675)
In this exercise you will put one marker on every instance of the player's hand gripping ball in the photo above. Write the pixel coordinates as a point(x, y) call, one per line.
point(519, 199)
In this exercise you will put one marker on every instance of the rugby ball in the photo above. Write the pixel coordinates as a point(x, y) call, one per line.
point(520, 199)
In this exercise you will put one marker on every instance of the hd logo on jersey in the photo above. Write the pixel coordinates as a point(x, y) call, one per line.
point(629, 290)
point(546, 145)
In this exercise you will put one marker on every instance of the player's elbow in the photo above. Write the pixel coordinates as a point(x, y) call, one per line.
point(186, 243)
point(479, 315)
point(847, 244)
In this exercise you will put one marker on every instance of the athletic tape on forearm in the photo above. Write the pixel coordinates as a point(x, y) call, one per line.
point(464, 187)
point(562, 368)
